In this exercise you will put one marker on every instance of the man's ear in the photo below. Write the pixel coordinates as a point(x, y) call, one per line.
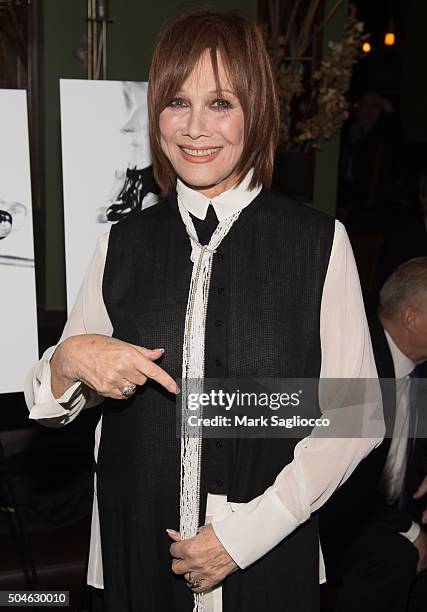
point(408, 318)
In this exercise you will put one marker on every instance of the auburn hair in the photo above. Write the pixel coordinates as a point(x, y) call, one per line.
point(238, 42)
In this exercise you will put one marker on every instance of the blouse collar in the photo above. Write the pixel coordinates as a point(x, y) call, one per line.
point(403, 366)
point(225, 205)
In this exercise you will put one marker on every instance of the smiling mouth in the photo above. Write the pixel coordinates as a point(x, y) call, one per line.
point(200, 152)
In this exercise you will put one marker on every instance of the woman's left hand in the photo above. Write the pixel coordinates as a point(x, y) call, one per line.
point(203, 559)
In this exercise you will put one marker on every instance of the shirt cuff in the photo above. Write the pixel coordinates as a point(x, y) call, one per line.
point(412, 533)
point(49, 407)
point(254, 528)
point(62, 409)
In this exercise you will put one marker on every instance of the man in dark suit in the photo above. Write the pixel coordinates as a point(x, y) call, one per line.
point(372, 530)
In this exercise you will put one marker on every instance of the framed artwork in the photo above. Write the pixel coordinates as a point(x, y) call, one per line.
point(106, 160)
point(18, 309)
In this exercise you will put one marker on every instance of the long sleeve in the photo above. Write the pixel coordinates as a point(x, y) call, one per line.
point(88, 315)
point(320, 465)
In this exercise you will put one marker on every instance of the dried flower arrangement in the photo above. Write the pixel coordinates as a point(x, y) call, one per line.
point(312, 89)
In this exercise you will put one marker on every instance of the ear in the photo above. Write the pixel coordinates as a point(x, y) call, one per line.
point(408, 318)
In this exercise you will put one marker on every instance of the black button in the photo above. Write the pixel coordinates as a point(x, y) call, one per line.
point(221, 290)
point(218, 323)
point(220, 256)
point(218, 444)
point(219, 483)
point(218, 362)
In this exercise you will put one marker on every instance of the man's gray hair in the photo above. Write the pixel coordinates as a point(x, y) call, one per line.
point(407, 283)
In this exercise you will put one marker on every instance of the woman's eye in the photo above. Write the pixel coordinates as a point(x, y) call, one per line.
point(177, 103)
point(221, 104)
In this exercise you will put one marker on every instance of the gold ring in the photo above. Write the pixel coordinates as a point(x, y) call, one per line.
point(193, 583)
point(128, 390)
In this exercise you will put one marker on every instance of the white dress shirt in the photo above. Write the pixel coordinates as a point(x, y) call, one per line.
point(394, 468)
point(320, 464)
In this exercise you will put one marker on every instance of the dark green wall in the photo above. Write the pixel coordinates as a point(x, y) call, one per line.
point(62, 26)
point(130, 43)
point(136, 25)
point(326, 173)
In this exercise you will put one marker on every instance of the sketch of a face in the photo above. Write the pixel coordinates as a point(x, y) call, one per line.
point(134, 188)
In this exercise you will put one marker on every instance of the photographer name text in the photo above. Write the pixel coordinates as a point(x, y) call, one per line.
point(261, 421)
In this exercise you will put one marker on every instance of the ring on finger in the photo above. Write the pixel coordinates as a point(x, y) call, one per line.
point(187, 577)
point(128, 390)
point(193, 583)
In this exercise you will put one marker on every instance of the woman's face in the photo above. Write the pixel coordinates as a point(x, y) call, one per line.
point(201, 134)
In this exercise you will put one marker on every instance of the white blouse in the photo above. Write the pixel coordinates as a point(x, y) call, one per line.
point(320, 464)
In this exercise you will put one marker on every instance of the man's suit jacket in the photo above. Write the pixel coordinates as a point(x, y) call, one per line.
point(417, 467)
point(360, 500)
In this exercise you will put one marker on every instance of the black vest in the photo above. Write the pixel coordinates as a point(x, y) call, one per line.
point(263, 320)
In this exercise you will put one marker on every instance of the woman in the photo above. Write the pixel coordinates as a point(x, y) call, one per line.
point(273, 292)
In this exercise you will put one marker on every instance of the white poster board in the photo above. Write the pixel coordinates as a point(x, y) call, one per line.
point(18, 308)
point(104, 127)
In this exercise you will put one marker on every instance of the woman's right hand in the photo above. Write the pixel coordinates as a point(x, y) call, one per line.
point(106, 365)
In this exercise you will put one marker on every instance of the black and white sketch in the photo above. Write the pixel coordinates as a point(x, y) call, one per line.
point(18, 310)
point(134, 187)
point(13, 216)
point(106, 164)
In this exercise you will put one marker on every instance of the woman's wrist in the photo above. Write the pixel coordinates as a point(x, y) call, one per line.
point(61, 373)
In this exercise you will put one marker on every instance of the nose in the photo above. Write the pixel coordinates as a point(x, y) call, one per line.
point(197, 124)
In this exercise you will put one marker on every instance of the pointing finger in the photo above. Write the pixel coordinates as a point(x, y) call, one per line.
point(174, 535)
point(154, 372)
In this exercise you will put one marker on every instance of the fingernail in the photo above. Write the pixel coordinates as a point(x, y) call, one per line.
point(172, 531)
point(177, 389)
point(161, 350)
